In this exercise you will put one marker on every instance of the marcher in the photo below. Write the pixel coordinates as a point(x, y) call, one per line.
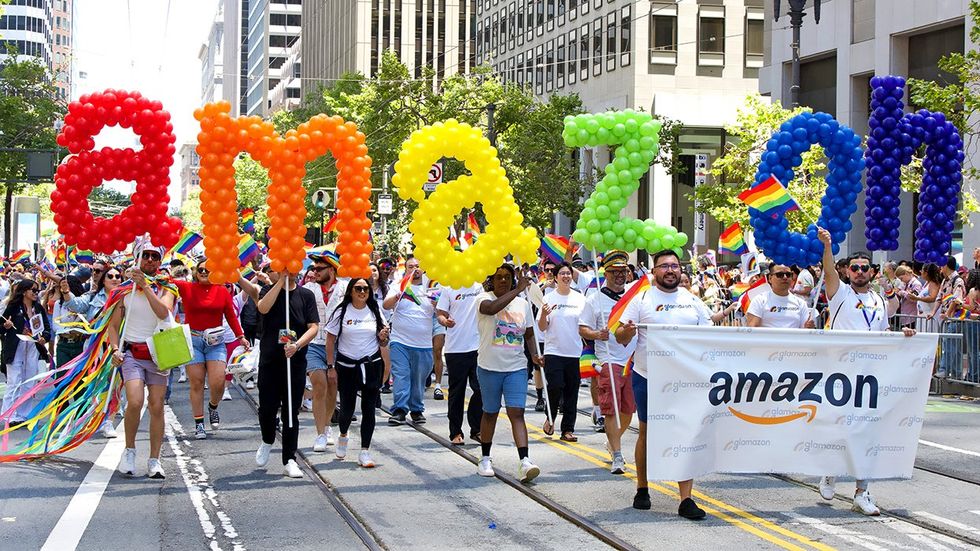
point(457, 312)
point(779, 307)
point(70, 340)
point(558, 321)
point(412, 323)
point(356, 331)
point(328, 292)
point(26, 332)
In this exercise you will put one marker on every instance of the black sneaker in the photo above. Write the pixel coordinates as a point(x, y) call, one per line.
point(353, 419)
point(213, 417)
point(397, 418)
point(418, 418)
point(539, 405)
point(689, 510)
point(437, 394)
point(642, 500)
point(199, 431)
point(386, 389)
point(600, 425)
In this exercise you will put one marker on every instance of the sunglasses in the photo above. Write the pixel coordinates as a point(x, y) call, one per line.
point(855, 268)
point(203, 271)
point(549, 270)
point(34, 290)
point(151, 256)
point(361, 288)
point(114, 276)
point(785, 275)
point(318, 269)
point(97, 271)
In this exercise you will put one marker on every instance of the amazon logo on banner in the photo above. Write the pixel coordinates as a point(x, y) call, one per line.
point(837, 389)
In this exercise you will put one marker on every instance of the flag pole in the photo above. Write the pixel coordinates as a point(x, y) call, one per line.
point(612, 376)
point(544, 377)
point(289, 364)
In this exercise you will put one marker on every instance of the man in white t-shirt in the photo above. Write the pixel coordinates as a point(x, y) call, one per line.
point(412, 321)
point(456, 311)
point(665, 303)
point(855, 307)
point(779, 308)
point(505, 325)
point(329, 292)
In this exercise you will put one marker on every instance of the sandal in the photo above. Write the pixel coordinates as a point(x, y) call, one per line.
point(569, 437)
point(476, 436)
point(458, 440)
point(548, 428)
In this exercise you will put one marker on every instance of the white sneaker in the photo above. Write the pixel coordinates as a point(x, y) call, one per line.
point(486, 467)
point(307, 405)
point(108, 430)
point(250, 385)
point(262, 454)
point(618, 465)
point(364, 459)
point(128, 464)
point(226, 396)
point(865, 504)
point(528, 470)
point(183, 376)
point(291, 469)
point(329, 434)
point(320, 445)
point(154, 469)
point(342, 447)
point(827, 489)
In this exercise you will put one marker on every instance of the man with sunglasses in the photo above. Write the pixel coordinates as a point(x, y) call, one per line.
point(853, 306)
point(329, 292)
point(143, 309)
point(779, 307)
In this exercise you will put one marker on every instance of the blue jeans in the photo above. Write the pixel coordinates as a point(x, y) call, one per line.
point(409, 368)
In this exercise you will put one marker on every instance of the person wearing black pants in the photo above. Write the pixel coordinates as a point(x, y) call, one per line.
point(562, 348)
point(456, 310)
point(364, 376)
point(276, 346)
point(462, 369)
point(563, 384)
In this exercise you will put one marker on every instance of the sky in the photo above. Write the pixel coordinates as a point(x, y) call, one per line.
point(150, 46)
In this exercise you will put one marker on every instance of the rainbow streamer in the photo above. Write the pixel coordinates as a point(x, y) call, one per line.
point(331, 224)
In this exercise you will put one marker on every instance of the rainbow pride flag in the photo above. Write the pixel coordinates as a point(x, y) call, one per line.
point(19, 256)
point(757, 288)
point(616, 313)
point(406, 288)
point(769, 197)
point(247, 249)
point(732, 242)
point(83, 257)
point(61, 254)
point(587, 363)
point(248, 220)
point(554, 247)
point(331, 224)
point(738, 290)
point(188, 240)
point(472, 226)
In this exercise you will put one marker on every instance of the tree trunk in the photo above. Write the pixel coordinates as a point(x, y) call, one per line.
point(8, 204)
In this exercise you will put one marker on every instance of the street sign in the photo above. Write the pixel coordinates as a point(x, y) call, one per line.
point(384, 203)
point(435, 177)
point(700, 220)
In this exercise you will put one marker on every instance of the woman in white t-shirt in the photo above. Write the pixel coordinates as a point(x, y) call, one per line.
point(357, 332)
point(558, 321)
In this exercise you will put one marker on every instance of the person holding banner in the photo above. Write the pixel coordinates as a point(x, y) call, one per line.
point(779, 307)
point(663, 304)
point(855, 307)
point(616, 400)
point(558, 320)
point(277, 345)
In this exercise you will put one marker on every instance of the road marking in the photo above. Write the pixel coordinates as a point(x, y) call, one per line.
point(922, 535)
point(199, 487)
point(950, 522)
point(850, 536)
point(75, 520)
point(949, 448)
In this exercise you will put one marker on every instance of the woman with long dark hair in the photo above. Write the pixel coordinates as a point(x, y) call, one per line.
point(357, 331)
point(70, 340)
point(23, 358)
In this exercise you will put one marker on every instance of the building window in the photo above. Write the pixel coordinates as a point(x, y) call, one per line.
point(925, 51)
point(664, 35)
point(583, 50)
point(625, 36)
point(495, 21)
point(561, 12)
point(862, 20)
point(549, 64)
point(560, 63)
point(572, 56)
point(539, 6)
point(754, 37)
point(585, 6)
point(520, 69)
point(597, 46)
point(539, 70)
point(711, 36)
point(572, 10)
point(529, 18)
point(611, 25)
point(529, 68)
point(551, 14)
point(512, 25)
point(818, 85)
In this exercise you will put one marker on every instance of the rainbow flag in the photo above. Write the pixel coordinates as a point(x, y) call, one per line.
point(757, 288)
point(19, 256)
point(248, 220)
point(616, 313)
point(629, 366)
point(406, 288)
point(598, 282)
point(962, 314)
point(731, 241)
point(188, 240)
point(587, 362)
point(247, 249)
point(247, 272)
point(453, 239)
point(554, 247)
point(738, 290)
point(946, 298)
point(890, 293)
point(331, 224)
point(83, 257)
point(61, 254)
point(472, 226)
point(769, 197)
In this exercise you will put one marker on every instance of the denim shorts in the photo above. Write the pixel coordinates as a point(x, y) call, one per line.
point(437, 328)
point(509, 385)
point(316, 357)
point(207, 353)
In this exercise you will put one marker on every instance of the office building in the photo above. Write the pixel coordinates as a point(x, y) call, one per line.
point(273, 28)
point(211, 55)
point(190, 164)
point(42, 29)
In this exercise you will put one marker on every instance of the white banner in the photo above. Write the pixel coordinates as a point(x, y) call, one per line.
point(814, 402)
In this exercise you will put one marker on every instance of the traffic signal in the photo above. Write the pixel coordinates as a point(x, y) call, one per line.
point(320, 199)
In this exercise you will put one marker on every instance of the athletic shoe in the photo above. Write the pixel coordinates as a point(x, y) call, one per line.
point(154, 470)
point(262, 454)
point(486, 467)
point(430, 379)
point(690, 510)
point(226, 396)
point(642, 500)
point(291, 469)
point(827, 489)
point(364, 459)
point(183, 376)
point(437, 394)
point(108, 430)
point(307, 405)
point(865, 504)
point(600, 426)
point(353, 419)
point(377, 403)
point(199, 431)
point(342, 447)
point(213, 417)
point(250, 385)
point(527, 471)
point(618, 465)
point(418, 418)
point(397, 418)
point(539, 405)
point(386, 388)
point(128, 464)
point(329, 434)
point(320, 445)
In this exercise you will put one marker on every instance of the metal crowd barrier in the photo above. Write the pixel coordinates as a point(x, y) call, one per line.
point(959, 357)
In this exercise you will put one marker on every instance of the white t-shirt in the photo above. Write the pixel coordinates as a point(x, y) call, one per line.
point(359, 337)
point(502, 335)
point(561, 338)
point(595, 316)
point(584, 280)
point(789, 312)
point(656, 306)
point(857, 312)
point(325, 308)
point(804, 280)
point(411, 323)
point(462, 307)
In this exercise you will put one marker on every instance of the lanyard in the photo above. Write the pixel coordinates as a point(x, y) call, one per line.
point(864, 312)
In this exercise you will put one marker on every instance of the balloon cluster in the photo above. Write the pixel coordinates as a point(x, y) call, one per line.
point(783, 153)
point(600, 226)
point(894, 138)
point(222, 138)
point(87, 168)
point(487, 184)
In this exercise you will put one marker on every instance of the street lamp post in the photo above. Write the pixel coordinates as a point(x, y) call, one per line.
point(796, 21)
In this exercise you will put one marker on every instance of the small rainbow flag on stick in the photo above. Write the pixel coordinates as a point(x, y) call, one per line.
point(19, 256)
point(769, 197)
point(248, 220)
point(247, 249)
point(731, 241)
point(406, 288)
point(757, 288)
point(188, 240)
point(616, 313)
point(83, 257)
point(586, 363)
point(554, 247)
point(738, 290)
